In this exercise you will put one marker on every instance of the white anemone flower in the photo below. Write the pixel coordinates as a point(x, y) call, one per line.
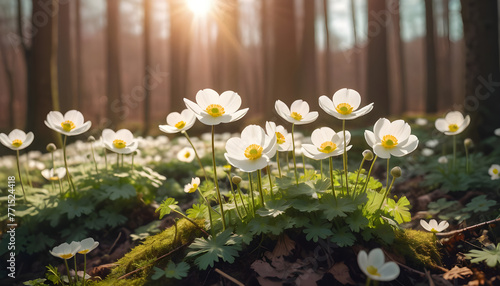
point(391, 138)
point(432, 143)
point(87, 245)
point(54, 174)
point(443, 160)
point(70, 124)
point(121, 141)
point(212, 109)
point(497, 132)
point(433, 226)
point(344, 104)
point(17, 139)
point(427, 152)
point(193, 186)
point(65, 250)
point(326, 143)
point(298, 113)
point(252, 151)
point(453, 123)
point(421, 121)
point(177, 122)
point(375, 267)
point(186, 155)
point(283, 138)
point(494, 172)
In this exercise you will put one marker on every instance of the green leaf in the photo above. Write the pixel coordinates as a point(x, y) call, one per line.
point(124, 191)
point(338, 207)
point(39, 242)
point(321, 186)
point(399, 210)
point(479, 204)
point(490, 256)
point(284, 182)
point(95, 222)
point(75, 208)
point(177, 271)
point(343, 237)
point(36, 282)
point(302, 189)
point(273, 208)
point(53, 275)
point(113, 219)
point(440, 205)
point(167, 206)
point(74, 232)
point(159, 273)
point(317, 230)
point(208, 251)
point(305, 205)
point(357, 221)
point(197, 211)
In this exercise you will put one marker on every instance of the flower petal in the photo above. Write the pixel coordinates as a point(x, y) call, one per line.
point(168, 129)
point(5, 140)
point(388, 272)
point(29, 139)
point(441, 125)
point(195, 108)
point(370, 138)
point(282, 109)
point(308, 118)
point(206, 97)
point(75, 116)
point(300, 106)
point(247, 165)
point(380, 151)
point(230, 100)
point(79, 130)
point(238, 114)
point(381, 128)
point(346, 95)
point(327, 105)
point(454, 117)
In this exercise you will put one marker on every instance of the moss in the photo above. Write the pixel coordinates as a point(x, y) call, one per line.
point(418, 247)
point(146, 253)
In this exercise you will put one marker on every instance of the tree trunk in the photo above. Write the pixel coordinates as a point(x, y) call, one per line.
point(431, 102)
point(65, 60)
point(7, 66)
point(147, 63)
point(77, 102)
point(356, 56)
point(115, 109)
point(482, 82)
point(378, 70)
point(328, 74)
point(307, 71)
point(401, 56)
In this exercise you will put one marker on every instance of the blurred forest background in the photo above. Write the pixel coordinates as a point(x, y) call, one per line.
point(128, 63)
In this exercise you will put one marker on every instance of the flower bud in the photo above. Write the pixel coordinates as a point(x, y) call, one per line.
point(468, 143)
point(236, 180)
point(443, 160)
point(368, 155)
point(396, 172)
point(91, 139)
point(51, 147)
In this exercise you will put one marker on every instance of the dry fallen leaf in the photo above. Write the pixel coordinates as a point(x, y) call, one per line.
point(457, 273)
point(284, 247)
point(341, 273)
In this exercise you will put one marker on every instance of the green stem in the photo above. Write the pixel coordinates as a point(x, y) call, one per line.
point(84, 267)
point(60, 187)
point(330, 160)
point(454, 151)
point(209, 211)
point(196, 154)
point(321, 169)
point(278, 162)
point(241, 197)
point(345, 159)
point(270, 181)
point(191, 221)
point(93, 157)
point(466, 160)
point(386, 193)
point(122, 159)
point(234, 196)
point(293, 156)
point(251, 192)
point(259, 178)
point(105, 154)
point(76, 270)
point(20, 177)
point(357, 176)
point(70, 280)
point(304, 164)
point(117, 160)
point(53, 164)
point(27, 170)
point(70, 181)
point(368, 280)
point(368, 175)
point(388, 172)
point(217, 181)
point(133, 153)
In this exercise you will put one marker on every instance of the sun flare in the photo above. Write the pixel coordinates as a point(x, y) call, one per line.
point(199, 7)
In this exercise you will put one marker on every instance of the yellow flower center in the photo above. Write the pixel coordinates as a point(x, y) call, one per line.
point(389, 141)
point(453, 127)
point(373, 270)
point(495, 171)
point(296, 116)
point(17, 143)
point(433, 230)
point(280, 139)
point(195, 186)
point(68, 125)
point(253, 151)
point(327, 147)
point(187, 154)
point(215, 110)
point(66, 256)
point(54, 178)
point(344, 108)
point(180, 124)
point(120, 144)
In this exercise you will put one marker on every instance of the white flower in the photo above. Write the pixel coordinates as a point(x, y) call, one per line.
point(494, 172)
point(177, 122)
point(443, 160)
point(212, 109)
point(87, 245)
point(121, 141)
point(432, 143)
point(433, 226)
point(326, 143)
point(375, 267)
point(283, 138)
point(298, 113)
point(252, 151)
point(17, 139)
point(344, 104)
point(70, 124)
point(65, 250)
point(54, 175)
point(453, 123)
point(186, 155)
point(421, 121)
point(191, 188)
point(391, 138)
point(427, 152)
point(497, 132)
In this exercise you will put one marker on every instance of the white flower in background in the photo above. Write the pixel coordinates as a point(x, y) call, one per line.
point(326, 143)
point(344, 104)
point(252, 151)
point(375, 267)
point(54, 175)
point(70, 124)
point(497, 132)
point(453, 123)
point(427, 152)
point(421, 121)
point(443, 160)
point(191, 188)
point(432, 143)
point(186, 155)
point(177, 122)
point(283, 138)
point(65, 250)
point(87, 245)
point(494, 172)
point(121, 141)
point(212, 109)
point(433, 226)
point(391, 138)
point(32, 164)
point(298, 113)
point(17, 139)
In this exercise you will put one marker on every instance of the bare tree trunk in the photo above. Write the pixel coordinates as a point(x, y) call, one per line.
point(328, 74)
point(77, 102)
point(430, 48)
point(65, 60)
point(357, 62)
point(401, 55)
point(147, 63)
point(307, 70)
point(7, 66)
point(115, 109)
point(446, 56)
